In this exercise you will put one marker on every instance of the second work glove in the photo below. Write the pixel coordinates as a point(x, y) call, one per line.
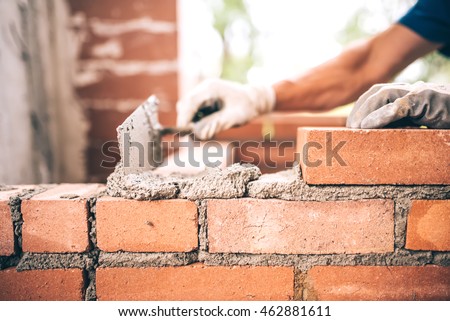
point(238, 105)
point(421, 103)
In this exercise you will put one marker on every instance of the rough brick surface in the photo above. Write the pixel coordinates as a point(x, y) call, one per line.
point(56, 220)
point(429, 225)
point(6, 226)
point(134, 45)
point(41, 285)
point(380, 156)
point(331, 283)
point(115, 9)
point(286, 227)
point(6, 230)
point(143, 226)
point(196, 282)
point(136, 86)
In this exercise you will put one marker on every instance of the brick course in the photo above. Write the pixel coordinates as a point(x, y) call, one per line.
point(406, 283)
point(41, 285)
point(196, 282)
point(286, 227)
point(401, 156)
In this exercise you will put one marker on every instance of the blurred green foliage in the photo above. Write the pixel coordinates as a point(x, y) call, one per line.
point(226, 13)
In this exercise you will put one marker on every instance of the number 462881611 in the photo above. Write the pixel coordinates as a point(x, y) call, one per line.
point(296, 311)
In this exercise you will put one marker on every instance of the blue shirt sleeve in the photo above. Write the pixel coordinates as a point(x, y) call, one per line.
point(431, 20)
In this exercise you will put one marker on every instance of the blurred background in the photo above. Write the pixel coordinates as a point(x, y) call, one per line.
point(73, 70)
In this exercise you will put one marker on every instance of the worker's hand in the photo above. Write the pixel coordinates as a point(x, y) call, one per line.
point(420, 103)
point(238, 105)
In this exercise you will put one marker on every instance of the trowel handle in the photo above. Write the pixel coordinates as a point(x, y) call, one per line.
point(203, 112)
point(207, 110)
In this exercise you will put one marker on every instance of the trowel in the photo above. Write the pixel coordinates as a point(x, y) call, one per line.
point(140, 136)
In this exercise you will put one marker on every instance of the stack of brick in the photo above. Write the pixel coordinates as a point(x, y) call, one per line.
point(376, 228)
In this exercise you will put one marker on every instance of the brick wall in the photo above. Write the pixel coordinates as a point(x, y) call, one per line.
point(128, 50)
point(284, 239)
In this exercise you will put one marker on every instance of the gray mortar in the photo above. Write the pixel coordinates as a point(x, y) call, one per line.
point(305, 262)
point(142, 186)
point(4, 188)
point(287, 185)
point(230, 182)
point(45, 261)
point(90, 270)
point(17, 220)
point(128, 259)
point(401, 210)
point(202, 226)
point(441, 258)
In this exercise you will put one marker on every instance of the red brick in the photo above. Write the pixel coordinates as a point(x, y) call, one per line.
point(138, 86)
point(119, 9)
point(146, 226)
point(41, 285)
point(196, 282)
point(6, 230)
point(300, 227)
point(6, 224)
point(54, 223)
point(429, 225)
point(389, 283)
point(135, 45)
point(378, 156)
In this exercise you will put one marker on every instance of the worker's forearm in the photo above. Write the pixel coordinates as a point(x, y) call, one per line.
point(324, 87)
point(336, 82)
point(343, 79)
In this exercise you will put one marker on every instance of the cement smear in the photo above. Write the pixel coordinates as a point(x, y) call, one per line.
point(230, 182)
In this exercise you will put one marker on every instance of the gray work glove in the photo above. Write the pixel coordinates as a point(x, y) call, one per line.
point(420, 103)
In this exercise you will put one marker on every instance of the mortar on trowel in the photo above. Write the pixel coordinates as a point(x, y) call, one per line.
point(140, 136)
